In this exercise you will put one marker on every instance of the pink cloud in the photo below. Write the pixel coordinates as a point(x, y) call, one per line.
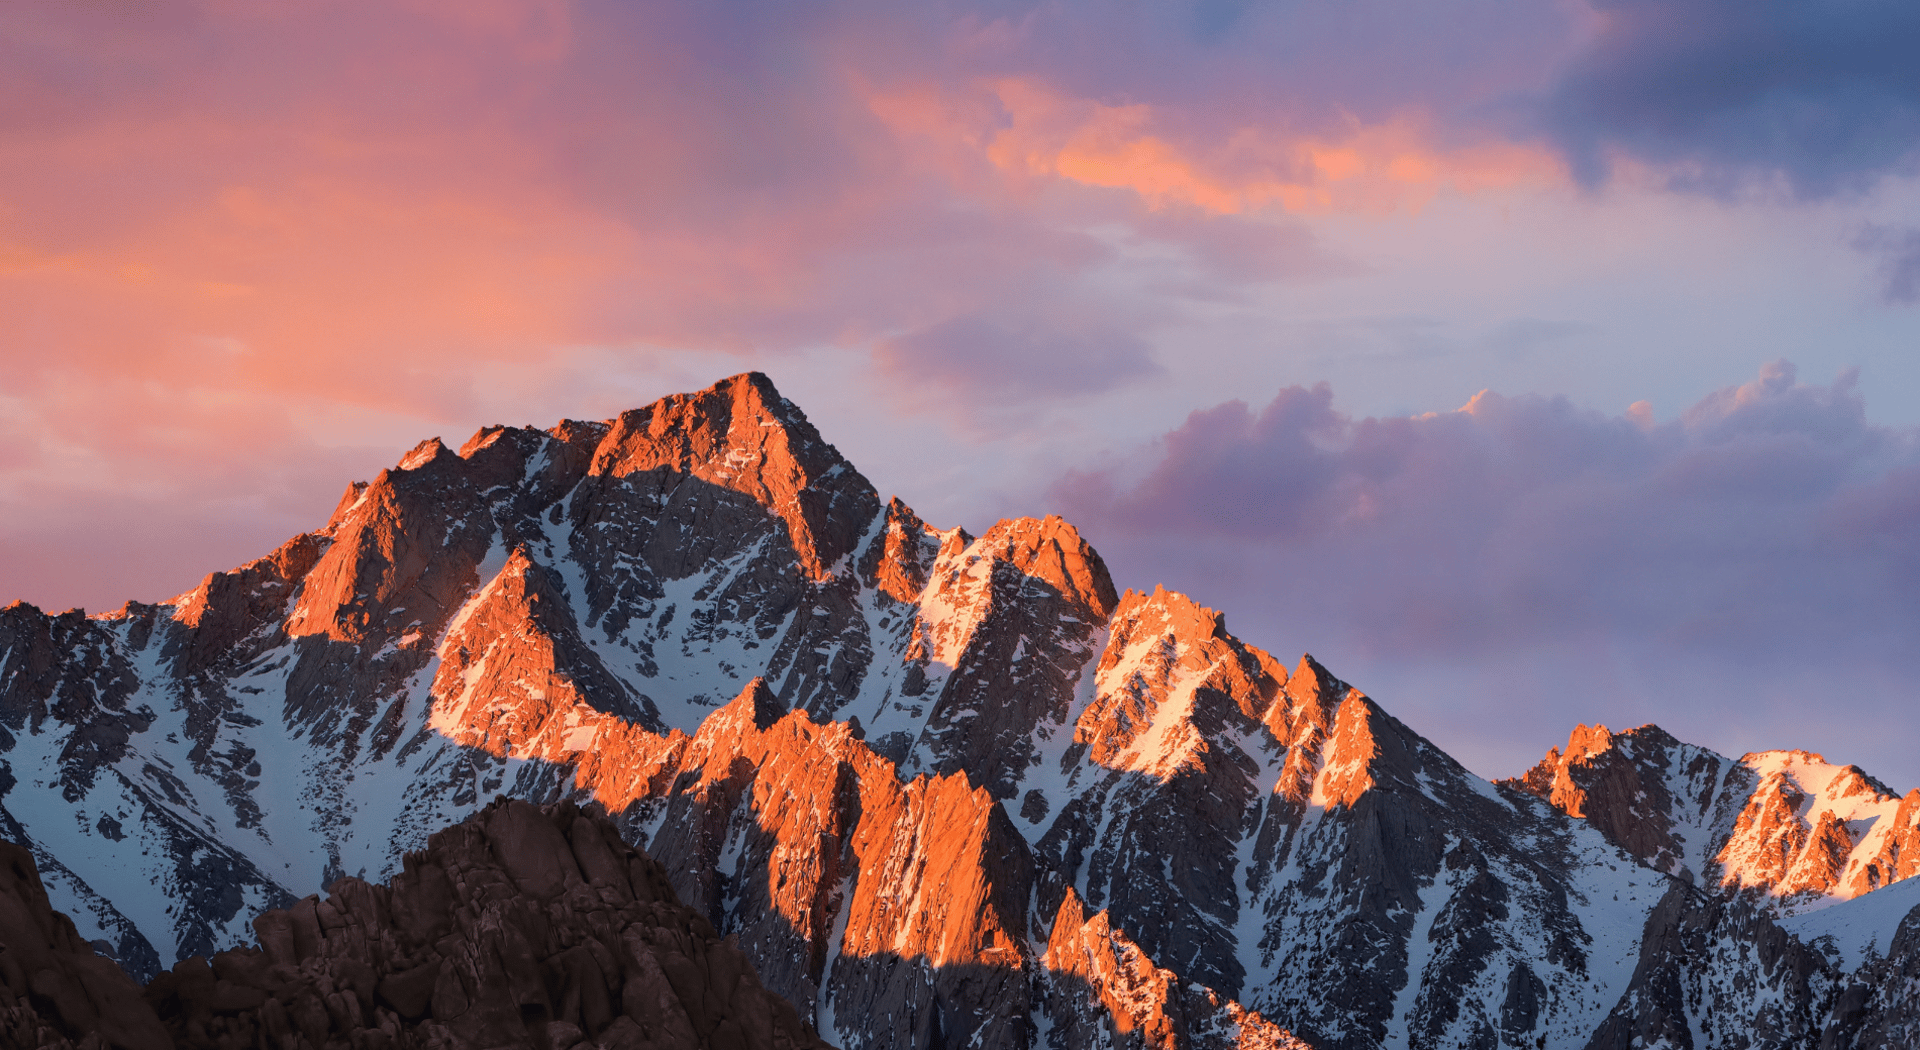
point(232, 235)
point(1705, 572)
point(498, 180)
point(249, 251)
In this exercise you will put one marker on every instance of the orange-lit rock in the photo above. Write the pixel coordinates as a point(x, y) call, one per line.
point(1104, 991)
point(896, 563)
point(1093, 963)
point(1785, 824)
point(741, 435)
point(1170, 676)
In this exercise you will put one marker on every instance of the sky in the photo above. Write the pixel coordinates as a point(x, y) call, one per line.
point(1529, 362)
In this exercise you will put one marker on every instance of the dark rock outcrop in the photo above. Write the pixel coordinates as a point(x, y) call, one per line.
point(1879, 1006)
point(523, 926)
point(55, 992)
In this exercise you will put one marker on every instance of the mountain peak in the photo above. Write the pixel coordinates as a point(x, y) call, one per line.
point(1050, 550)
point(423, 454)
point(741, 435)
point(680, 612)
point(1176, 608)
point(756, 703)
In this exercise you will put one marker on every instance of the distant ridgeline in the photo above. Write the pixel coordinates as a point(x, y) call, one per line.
point(941, 790)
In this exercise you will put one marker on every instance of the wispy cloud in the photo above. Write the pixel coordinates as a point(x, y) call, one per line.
point(1897, 250)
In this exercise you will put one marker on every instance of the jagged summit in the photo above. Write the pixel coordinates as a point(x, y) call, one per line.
point(1786, 824)
point(944, 789)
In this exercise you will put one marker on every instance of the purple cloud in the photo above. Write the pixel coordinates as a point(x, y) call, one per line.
point(1526, 559)
point(1824, 94)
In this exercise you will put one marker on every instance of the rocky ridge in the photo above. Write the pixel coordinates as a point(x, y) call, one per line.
point(1788, 828)
point(520, 927)
point(892, 760)
point(54, 989)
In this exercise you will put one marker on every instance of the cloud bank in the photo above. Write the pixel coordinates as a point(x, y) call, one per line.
point(1743, 574)
point(1821, 95)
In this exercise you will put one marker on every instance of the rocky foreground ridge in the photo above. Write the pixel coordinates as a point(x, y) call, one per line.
point(519, 927)
point(944, 790)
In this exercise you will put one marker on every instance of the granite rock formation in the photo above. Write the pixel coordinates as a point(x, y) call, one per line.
point(55, 990)
point(520, 927)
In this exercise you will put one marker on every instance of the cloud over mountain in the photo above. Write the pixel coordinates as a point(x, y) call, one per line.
point(1762, 541)
point(245, 250)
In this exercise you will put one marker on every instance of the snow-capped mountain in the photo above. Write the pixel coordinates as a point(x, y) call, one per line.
point(945, 790)
point(1791, 829)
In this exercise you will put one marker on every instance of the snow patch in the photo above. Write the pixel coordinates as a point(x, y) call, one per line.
point(1859, 927)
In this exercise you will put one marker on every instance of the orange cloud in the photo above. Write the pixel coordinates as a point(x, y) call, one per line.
point(1026, 129)
point(261, 230)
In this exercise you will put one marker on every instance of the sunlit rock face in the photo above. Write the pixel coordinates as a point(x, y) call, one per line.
point(1788, 828)
point(942, 790)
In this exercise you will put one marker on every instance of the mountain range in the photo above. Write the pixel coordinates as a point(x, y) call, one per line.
point(942, 790)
